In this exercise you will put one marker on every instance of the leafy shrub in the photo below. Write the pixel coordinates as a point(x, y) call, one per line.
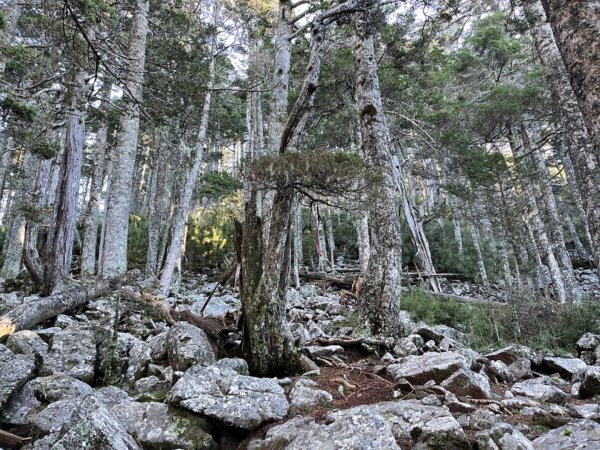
point(137, 242)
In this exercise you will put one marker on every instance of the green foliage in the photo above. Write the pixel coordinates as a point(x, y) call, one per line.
point(20, 110)
point(45, 149)
point(526, 320)
point(2, 20)
point(211, 233)
point(217, 185)
point(137, 242)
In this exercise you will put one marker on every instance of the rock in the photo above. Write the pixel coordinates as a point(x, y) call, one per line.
point(72, 352)
point(465, 382)
point(236, 400)
point(498, 371)
point(20, 407)
point(569, 368)
point(188, 345)
point(218, 306)
point(521, 369)
point(159, 426)
point(158, 346)
point(308, 291)
point(59, 387)
point(502, 437)
point(410, 345)
point(587, 411)
point(328, 350)
point(369, 427)
point(540, 416)
point(437, 332)
point(540, 389)
point(588, 342)
point(28, 343)
point(152, 385)
point(112, 395)
point(483, 419)
point(590, 385)
point(584, 434)
point(429, 366)
point(238, 365)
point(140, 356)
point(509, 355)
point(306, 395)
point(15, 370)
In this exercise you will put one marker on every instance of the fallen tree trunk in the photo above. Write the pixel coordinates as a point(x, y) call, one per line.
point(33, 312)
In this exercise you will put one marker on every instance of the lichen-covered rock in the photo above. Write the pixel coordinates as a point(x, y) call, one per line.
point(428, 366)
point(410, 345)
point(238, 365)
point(188, 345)
point(588, 342)
point(306, 395)
point(112, 395)
point(590, 385)
point(236, 400)
point(15, 370)
point(378, 426)
point(568, 368)
point(158, 346)
point(437, 332)
point(20, 407)
point(28, 343)
point(72, 352)
point(509, 355)
point(59, 387)
point(466, 383)
point(584, 434)
point(521, 369)
point(540, 389)
point(483, 419)
point(502, 437)
point(159, 426)
point(315, 351)
point(140, 356)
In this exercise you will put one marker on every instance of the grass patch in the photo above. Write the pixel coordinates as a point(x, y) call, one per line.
point(537, 324)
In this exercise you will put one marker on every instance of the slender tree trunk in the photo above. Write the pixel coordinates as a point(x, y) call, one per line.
point(379, 305)
point(480, 263)
point(12, 11)
point(119, 203)
point(58, 250)
point(364, 244)
point(330, 238)
point(298, 255)
point(183, 207)
point(92, 215)
point(319, 236)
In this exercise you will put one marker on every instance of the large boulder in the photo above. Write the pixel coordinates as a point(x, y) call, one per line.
point(20, 407)
point(306, 395)
point(72, 352)
point(379, 426)
point(236, 400)
point(159, 426)
point(540, 389)
point(188, 345)
point(502, 437)
point(568, 368)
point(509, 355)
point(28, 343)
point(59, 387)
point(436, 333)
point(584, 434)
point(15, 370)
point(140, 357)
point(588, 342)
point(466, 383)
point(428, 366)
point(590, 385)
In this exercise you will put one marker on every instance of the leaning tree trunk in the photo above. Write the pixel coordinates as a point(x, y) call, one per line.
point(116, 225)
point(579, 146)
point(379, 306)
point(58, 250)
point(185, 201)
point(92, 215)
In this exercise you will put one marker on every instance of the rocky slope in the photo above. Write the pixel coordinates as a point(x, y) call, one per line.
point(113, 376)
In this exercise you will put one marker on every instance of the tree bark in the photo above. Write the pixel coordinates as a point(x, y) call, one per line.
point(379, 305)
point(364, 243)
point(114, 255)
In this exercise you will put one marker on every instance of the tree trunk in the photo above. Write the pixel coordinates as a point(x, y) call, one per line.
point(579, 146)
point(92, 215)
point(364, 244)
point(379, 304)
point(330, 238)
point(480, 263)
point(12, 11)
point(58, 250)
point(114, 255)
point(298, 254)
point(319, 237)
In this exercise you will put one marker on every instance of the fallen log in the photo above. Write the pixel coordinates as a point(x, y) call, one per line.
point(9, 440)
point(33, 312)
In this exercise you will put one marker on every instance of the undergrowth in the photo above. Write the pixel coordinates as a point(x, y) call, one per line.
point(526, 320)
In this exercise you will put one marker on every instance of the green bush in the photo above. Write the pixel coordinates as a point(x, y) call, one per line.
point(137, 242)
point(525, 320)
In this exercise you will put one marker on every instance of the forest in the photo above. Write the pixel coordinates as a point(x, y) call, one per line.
point(299, 224)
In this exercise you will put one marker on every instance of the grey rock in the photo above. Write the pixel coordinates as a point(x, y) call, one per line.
point(112, 395)
point(540, 416)
point(568, 368)
point(15, 370)
point(151, 384)
point(59, 387)
point(587, 411)
point(580, 435)
point(327, 350)
point(218, 305)
point(28, 343)
point(437, 332)
point(308, 291)
point(502, 437)
point(590, 385)
point(521, 369)
point(188, 345)
point(9, 301)
point(410, 345)
point(159, 426)
point(158, 346)
point(483, 419)
point(237, 400)
point(509, 355)
point(139, 358)
point(498, 371)
point(306, 395)
point(20, 407)
point(588, 342)
point(466, 383)
point(72, 352)
point(429, 366)
point(238, 365)
point(540, 389)
point(63, 321)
